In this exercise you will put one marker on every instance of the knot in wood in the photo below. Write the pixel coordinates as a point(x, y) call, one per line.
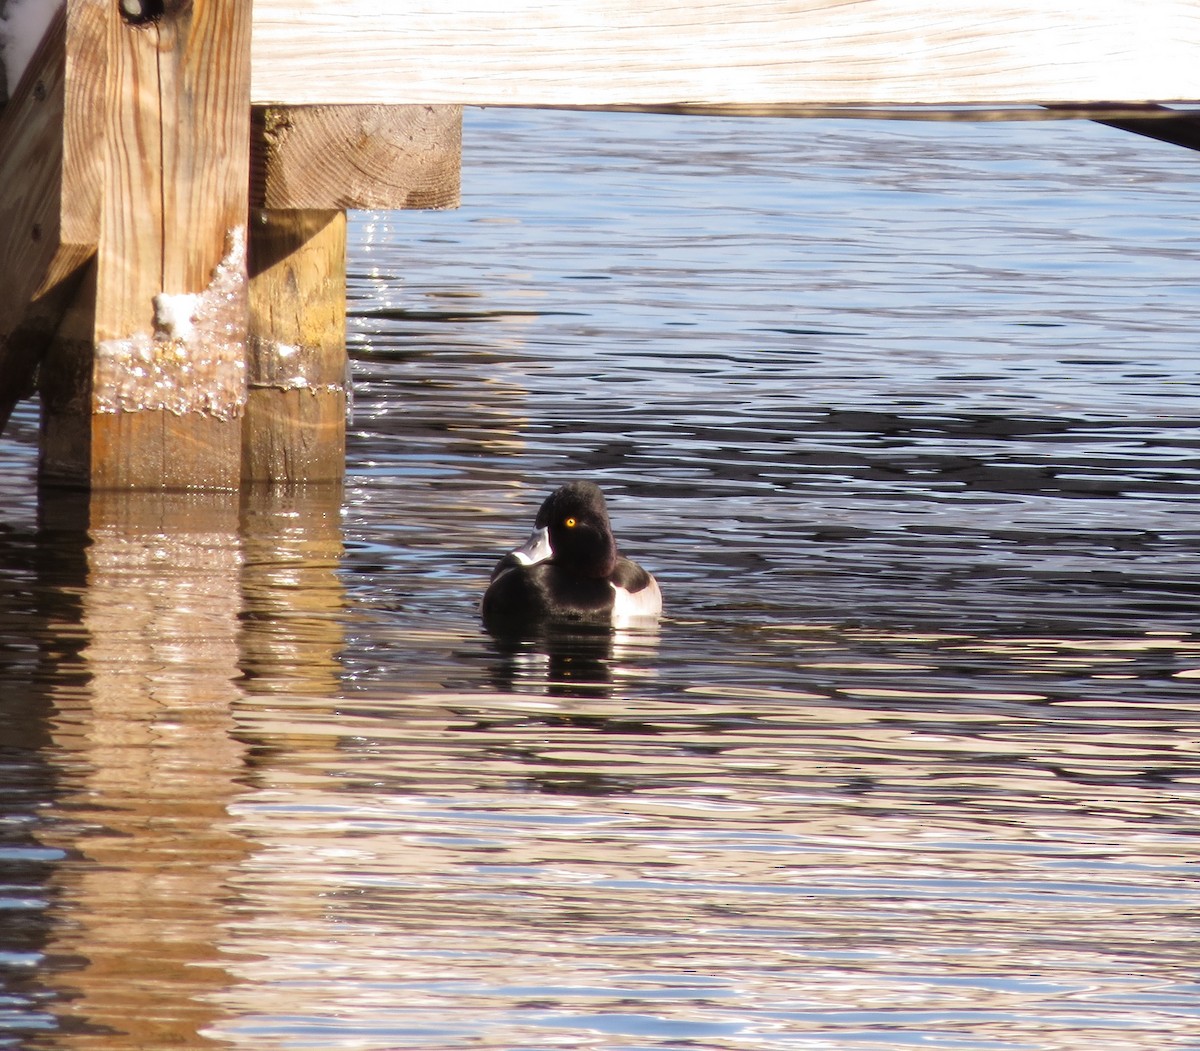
point(141, 12)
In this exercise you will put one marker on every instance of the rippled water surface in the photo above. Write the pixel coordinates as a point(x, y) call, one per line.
point(904, 418)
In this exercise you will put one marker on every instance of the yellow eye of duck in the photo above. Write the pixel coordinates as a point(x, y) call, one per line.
point(569, 523)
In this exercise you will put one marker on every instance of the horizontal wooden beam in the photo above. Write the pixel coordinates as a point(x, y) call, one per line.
point(330, 158)
point(651, 53)
point(1101, 112)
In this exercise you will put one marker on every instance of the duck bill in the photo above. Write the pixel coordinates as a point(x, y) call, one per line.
point(535, 549)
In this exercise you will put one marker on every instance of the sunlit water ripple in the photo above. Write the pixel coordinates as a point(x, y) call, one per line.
point(902, 416)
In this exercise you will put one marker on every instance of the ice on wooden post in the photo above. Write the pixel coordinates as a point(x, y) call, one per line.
point(193, 360)
point(145, 384)
point(174, 314)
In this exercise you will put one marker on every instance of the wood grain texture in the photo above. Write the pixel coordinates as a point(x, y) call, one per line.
point(337, 157)
point(177, 168)
point(177, 157)
point(649, 52)
point(164, 405)
point(294, 428)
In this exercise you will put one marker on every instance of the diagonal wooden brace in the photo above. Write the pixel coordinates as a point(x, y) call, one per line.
point(50, 205)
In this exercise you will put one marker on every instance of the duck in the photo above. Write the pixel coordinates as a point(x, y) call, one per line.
point(570, 570)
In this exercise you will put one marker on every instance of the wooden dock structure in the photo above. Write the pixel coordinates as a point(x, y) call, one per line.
point(175, 174)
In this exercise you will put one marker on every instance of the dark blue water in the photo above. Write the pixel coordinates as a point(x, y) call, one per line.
point(903, 417)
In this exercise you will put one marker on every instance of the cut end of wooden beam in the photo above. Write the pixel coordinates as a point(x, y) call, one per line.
point(338, 157)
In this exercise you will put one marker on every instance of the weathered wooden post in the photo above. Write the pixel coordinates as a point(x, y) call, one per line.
point(188, 317)
point(308, 166)
point(144, 386)
point(294, 427)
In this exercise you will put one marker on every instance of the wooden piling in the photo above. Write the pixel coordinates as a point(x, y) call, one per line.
point(147, 381)
point(294, 428)
point(307, 166)
point(129, 170)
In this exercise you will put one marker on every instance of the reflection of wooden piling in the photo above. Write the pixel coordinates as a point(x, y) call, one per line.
point(293, 601)
point(143, 728)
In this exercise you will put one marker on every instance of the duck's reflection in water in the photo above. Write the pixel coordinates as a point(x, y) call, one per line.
point(572, 660)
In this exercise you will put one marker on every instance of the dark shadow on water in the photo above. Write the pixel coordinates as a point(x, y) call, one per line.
point(42, 576)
